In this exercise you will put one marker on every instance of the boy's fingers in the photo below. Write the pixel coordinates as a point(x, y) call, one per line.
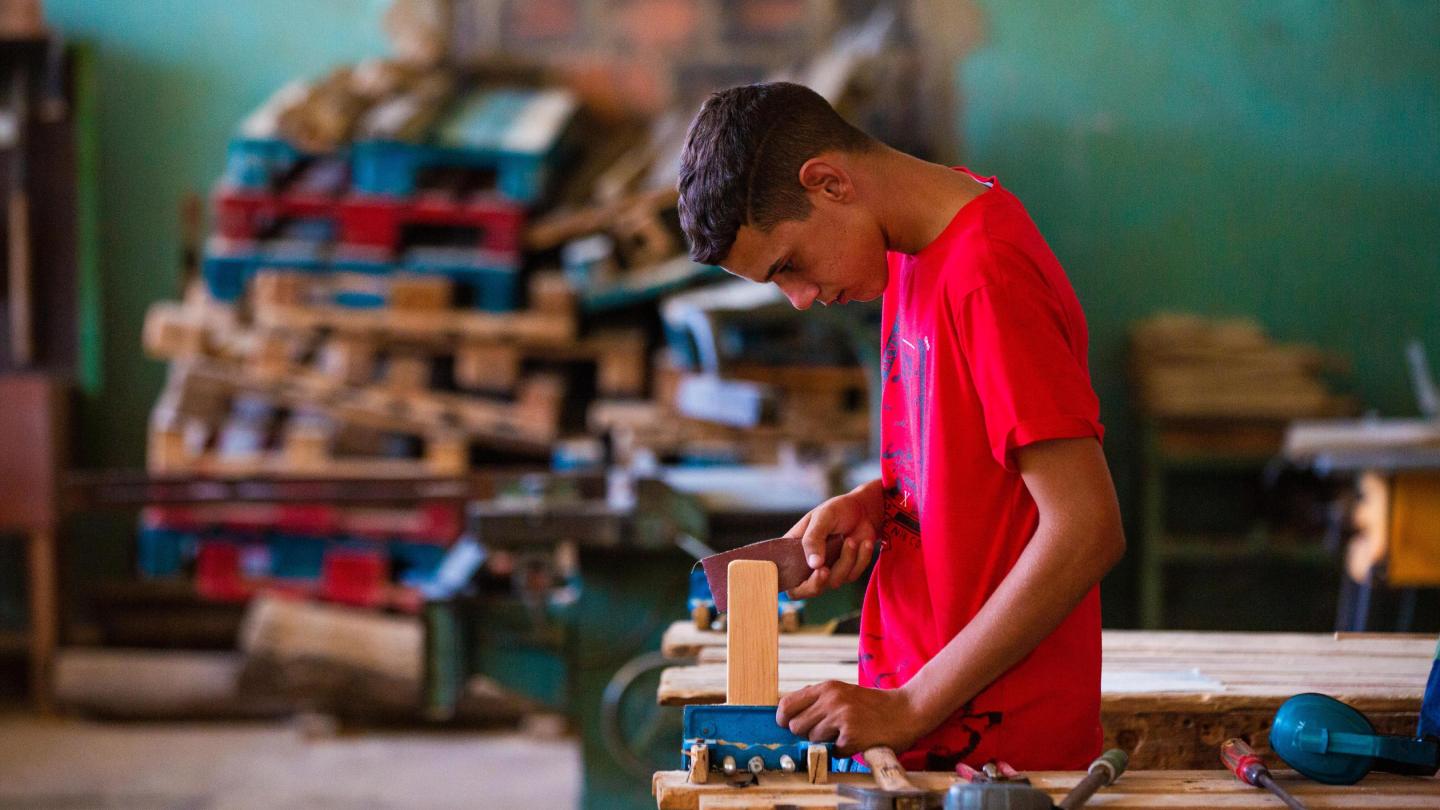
point(862, 560)
point(794, 704)
point(812, 587)
point(814, 541)
point(840, 572)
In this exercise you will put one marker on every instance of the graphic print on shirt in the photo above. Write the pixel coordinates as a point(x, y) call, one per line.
point(903, 364)
point(975, 724)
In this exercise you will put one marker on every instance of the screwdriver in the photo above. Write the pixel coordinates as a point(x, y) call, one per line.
point(1245, 763)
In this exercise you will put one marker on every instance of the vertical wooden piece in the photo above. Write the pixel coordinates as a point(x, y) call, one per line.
point(699, 764)
point(753, 640)
point(817, 764)
point(44, 615)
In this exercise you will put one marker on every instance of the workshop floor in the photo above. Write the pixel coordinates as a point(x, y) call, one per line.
point(65, 764)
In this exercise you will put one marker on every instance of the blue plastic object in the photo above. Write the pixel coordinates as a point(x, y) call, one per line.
point(743, 732)
point(1430, 705)
point(1333, 743)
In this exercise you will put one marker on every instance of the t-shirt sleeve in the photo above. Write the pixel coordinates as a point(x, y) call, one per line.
point(1031, 383)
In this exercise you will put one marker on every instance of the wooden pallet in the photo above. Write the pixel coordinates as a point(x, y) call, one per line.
point(550, 320)
point(179, 332)
point(1134, 790)
point(188, 424)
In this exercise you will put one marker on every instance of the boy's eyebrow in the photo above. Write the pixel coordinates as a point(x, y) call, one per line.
point(774, 268)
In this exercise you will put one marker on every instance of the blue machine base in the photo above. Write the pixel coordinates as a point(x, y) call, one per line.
point(744, 732)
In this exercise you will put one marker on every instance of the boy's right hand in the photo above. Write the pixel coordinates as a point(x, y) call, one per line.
point(856, 516)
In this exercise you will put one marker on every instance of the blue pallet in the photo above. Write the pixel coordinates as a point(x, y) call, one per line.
point(491, 280)
point(228, 266)
point(255, 164)
point(296, 556)
point(486, 280)
point(164, 552)
point(417, 562)
point(493, 130)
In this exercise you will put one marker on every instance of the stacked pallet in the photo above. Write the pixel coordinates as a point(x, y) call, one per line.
point(366, 305)
point(1190, 367)
point(366, 557)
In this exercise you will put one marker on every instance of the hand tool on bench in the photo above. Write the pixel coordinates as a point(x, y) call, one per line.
point(787, 555)
point(893, 789)
point(987, 790)
point(1242, 760)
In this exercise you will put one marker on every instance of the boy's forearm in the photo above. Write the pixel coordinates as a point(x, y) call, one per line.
point(1058, 567)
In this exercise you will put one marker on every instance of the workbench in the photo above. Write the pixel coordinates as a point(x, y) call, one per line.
point(1168, 698)
point(1135, 790)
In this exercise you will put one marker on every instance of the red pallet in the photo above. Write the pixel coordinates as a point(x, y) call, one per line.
point(368, 221)
point(355, 577)
point(381, 221)
point(438, 522)
point(218, 575)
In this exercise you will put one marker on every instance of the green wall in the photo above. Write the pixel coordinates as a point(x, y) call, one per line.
point(1277, 159)
point(174, 79)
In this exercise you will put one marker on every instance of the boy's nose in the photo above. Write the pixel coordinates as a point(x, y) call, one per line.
point(801, 295)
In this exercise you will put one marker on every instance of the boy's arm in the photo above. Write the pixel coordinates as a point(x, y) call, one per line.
point(1078, 539)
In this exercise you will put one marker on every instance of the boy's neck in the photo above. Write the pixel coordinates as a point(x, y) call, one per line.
point(916, 199)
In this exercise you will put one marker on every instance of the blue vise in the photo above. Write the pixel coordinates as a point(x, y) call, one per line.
point(748, 737)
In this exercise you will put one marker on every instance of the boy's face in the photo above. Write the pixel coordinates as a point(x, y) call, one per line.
point(836, 255)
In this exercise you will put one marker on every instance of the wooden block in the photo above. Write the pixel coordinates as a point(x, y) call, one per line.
point(817, 764)
point(551, 293)
point(405, 371)
point(699, 764)
point(447, 455)
point(270, 357)
point(306, 445)
point(487, 366)
point(279, 288)
point(170, 331)
point(620, 365)
point(753, 668)
point(165, 451)
point(348, 358)
point(420, 292)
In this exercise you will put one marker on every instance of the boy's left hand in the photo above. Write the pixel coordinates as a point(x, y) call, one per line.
point(854, 717)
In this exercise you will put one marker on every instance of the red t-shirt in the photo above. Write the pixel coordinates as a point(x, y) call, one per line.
point(984, 351)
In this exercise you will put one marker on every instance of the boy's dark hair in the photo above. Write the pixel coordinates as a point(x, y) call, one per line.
point(742, 159)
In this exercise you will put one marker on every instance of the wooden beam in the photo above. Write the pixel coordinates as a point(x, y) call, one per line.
point(753, 674)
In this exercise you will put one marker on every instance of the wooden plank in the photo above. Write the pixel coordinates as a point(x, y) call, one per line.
point(752, 673)
point(1135, 790)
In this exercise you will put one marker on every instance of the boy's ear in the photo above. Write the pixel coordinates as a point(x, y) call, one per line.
point(823, 176)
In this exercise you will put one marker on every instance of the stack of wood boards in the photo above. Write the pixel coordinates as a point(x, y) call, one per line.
point(1169, 698)
point(1186, 366)
point(808, 408)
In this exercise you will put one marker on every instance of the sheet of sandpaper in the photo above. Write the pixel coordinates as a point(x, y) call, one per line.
point(787, 554)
